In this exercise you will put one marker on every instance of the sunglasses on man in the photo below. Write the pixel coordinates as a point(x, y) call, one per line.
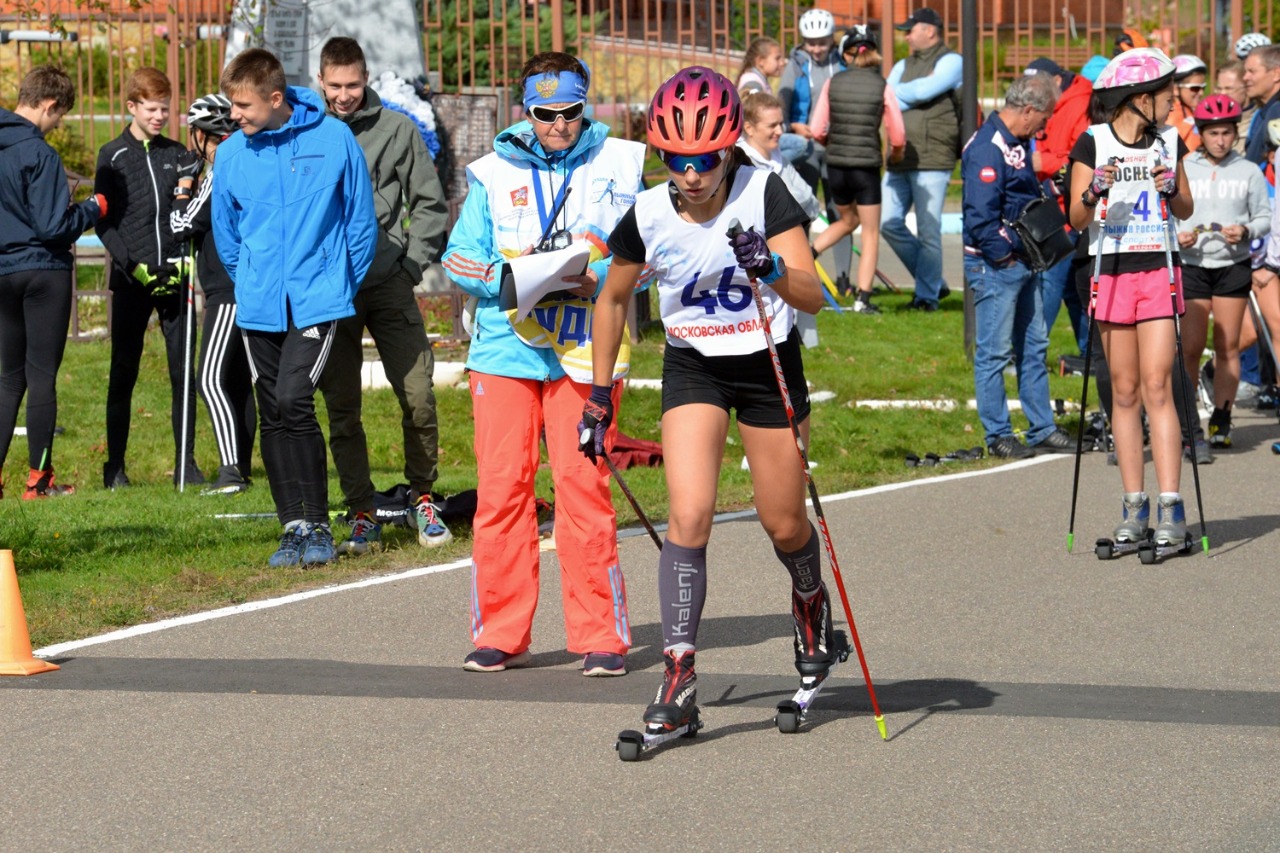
point(549, 115)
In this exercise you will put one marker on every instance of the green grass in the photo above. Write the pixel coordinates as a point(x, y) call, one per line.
point(99, 559)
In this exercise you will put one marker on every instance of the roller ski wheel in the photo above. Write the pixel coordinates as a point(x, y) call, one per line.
point(632, 744)
point(1109, 549)
point(1152, 552)
point(792, 712)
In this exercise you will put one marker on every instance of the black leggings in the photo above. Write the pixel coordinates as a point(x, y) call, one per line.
point(131, 307)
point(1082, 275)
point(225, 385)
point(35, 309)
point(286, 370)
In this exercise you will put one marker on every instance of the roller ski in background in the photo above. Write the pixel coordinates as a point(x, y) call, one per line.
point(1171, 535)
point(1133, 532)
point(673, 712)
point(819, 650)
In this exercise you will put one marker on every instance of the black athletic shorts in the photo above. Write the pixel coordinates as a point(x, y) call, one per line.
point(746, 383)
point(1206, 283)
point(854, 186)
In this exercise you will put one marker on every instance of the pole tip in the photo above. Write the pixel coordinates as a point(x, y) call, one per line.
point(1071, 541)
point(884, 734)
point(1204, 543)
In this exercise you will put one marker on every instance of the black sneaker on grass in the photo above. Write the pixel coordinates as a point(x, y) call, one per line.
point(1008, 447)
point(1058, 441)
point(229, 482)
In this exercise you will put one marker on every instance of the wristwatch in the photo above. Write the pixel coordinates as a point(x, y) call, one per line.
point(1084, 198)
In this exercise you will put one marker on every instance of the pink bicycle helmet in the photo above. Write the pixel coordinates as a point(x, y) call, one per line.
point(1135, 72)
point(697, 111)
point(1216, 109)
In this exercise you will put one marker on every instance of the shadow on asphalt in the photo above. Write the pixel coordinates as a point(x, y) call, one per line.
point(846, 695)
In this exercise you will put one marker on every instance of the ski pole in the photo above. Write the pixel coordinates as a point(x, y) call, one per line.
point(1264, 335)
point(189, 311)
point(1165, 229)
point(1088, 360)
point(635, 505)
point(735, 228)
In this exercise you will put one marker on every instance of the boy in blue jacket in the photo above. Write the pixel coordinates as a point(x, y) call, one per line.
point(293, 221)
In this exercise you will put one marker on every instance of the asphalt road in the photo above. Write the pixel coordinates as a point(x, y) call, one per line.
point(1035, 700)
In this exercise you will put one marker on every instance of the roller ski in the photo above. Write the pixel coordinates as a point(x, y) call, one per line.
point(1132, 533)
point(819, 650)
point(1171, 535)
point(673, 712)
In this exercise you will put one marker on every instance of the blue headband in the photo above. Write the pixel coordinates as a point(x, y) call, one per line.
point(567, 87)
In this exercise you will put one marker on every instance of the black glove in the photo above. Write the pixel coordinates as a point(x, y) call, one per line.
point(189, 163)
point(597, 414)
point(160, 280)
point(753, 255)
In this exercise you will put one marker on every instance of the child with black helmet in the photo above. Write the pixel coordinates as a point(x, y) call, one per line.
point(1231, 210)
point(224, 380)
point(1124, 184)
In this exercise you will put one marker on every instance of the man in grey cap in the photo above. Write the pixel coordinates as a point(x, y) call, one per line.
point(926, 86)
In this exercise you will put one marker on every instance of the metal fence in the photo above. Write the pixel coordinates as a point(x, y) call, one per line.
point(631, 45)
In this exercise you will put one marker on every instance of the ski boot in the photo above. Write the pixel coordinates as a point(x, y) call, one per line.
point(1220, 427)
point(1134, 529)
point(818, 651)
point(1171, 536)
point(673, 712)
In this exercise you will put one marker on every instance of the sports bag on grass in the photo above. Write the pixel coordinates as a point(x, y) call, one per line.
point(1043, 231)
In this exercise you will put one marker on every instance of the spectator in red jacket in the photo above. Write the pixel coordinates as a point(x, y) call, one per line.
point(1049, 157)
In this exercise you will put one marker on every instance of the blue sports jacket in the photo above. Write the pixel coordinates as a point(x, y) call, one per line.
point(998, 181)
point(293, 219)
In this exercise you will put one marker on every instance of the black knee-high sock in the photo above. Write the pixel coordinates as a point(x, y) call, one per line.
point(805, 565)
point(682, 590)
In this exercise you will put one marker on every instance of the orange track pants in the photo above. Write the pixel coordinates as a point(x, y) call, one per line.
point(510, 417)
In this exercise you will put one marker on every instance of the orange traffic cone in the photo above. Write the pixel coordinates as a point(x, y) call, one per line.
point(15, 642)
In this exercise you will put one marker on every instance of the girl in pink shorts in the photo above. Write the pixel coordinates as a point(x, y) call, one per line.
point(1130, 298)
point(1125, 186)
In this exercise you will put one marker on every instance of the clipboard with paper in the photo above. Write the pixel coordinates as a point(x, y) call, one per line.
point(529, 279)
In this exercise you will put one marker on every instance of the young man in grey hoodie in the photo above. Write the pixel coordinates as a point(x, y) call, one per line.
point(405, 187)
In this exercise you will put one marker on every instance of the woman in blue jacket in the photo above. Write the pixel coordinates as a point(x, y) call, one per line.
point(552, 181)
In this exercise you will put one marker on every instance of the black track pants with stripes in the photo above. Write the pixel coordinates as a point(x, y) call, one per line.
point(226, 386)
point(286, 368)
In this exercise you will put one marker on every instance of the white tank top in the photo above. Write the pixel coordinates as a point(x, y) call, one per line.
point(705, 297)
point(1133, 204)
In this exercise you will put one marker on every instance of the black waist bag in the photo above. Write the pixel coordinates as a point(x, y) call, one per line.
point(1043, 231)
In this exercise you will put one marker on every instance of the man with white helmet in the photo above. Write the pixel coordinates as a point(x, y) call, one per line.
point(810, 66)
point(807, 71)
point(1247, 42)
point(926, 85)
